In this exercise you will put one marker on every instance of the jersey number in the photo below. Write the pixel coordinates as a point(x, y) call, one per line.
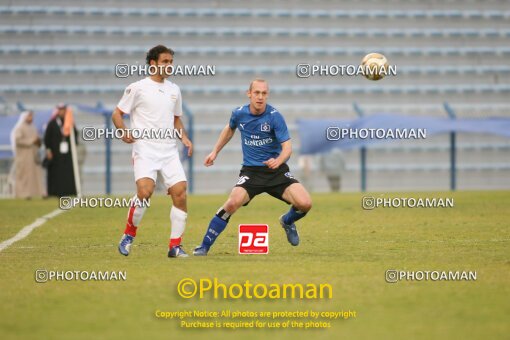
point(242, 179)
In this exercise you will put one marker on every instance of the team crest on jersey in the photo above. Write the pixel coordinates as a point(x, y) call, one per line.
point(265, 127)
point(289, 175)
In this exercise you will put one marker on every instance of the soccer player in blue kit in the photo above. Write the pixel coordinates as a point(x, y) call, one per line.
point(266, 148)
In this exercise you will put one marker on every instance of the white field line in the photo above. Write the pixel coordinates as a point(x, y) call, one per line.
point(29, 228)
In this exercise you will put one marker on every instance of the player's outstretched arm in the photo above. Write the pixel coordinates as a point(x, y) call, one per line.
point(185, 140)
point(119, 124)
point(274, 163)
point(225, 136)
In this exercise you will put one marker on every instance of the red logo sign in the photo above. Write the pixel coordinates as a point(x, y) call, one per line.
point(253, 239)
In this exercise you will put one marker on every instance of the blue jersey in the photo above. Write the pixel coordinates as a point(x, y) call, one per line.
point(261, 135)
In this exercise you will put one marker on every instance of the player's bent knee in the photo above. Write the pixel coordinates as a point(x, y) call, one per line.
point(232, 205)
point(180, 197)
point(304, 205)
point(178, 191)
point(229, 206)
point(144, 193)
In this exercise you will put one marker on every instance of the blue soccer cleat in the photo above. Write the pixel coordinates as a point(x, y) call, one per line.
point(125, 244)
point(291, 231)
point(177, 251)
point(201, 250)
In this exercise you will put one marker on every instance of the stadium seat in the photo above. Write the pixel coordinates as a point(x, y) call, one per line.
point(334, 51)
point(259, 32)
point(256, 13)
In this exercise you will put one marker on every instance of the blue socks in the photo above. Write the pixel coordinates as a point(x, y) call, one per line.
point(292, 216)
point(216, 226)
point(220, 220)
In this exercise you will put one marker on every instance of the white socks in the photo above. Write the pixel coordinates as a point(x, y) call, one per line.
point(178, 219)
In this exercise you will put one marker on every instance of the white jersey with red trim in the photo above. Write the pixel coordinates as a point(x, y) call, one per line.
point(152, 106)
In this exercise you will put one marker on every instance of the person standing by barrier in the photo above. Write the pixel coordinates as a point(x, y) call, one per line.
point(27, 169)
point(58, 153)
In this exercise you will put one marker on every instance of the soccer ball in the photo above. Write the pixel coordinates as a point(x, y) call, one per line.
point(375, 66)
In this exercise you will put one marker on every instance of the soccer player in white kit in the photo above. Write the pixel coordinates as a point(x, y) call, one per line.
point(154, 103)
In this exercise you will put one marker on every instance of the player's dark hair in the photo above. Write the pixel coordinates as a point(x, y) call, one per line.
point(154, 53)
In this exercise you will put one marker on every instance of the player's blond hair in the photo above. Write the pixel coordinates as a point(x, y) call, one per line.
point(259, 80)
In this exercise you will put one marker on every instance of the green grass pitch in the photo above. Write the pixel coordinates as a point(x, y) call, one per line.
point(341, 244)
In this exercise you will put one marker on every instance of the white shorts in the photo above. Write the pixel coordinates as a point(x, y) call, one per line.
point(149, 158)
